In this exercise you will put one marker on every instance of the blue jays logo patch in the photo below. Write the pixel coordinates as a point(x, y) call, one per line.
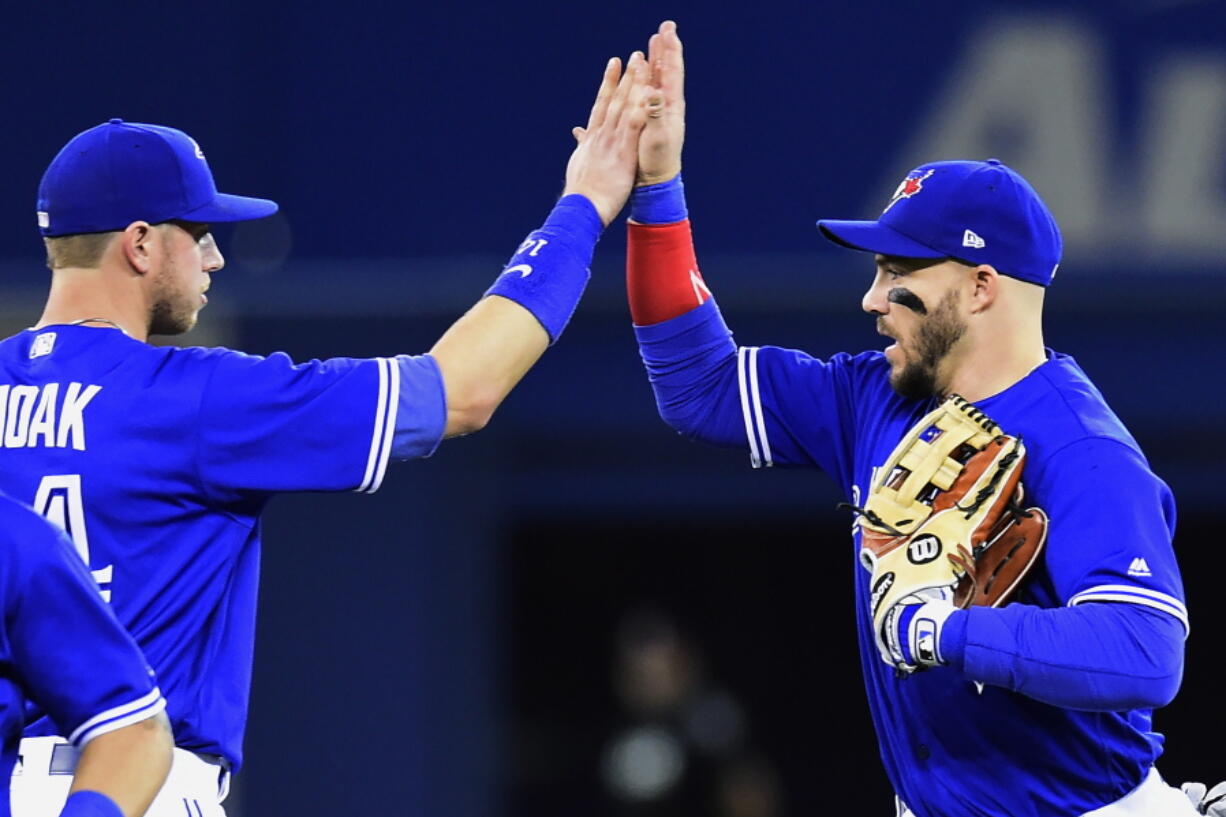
point(908, 187)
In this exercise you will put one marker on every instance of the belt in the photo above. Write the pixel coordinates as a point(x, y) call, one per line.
point(64, 759)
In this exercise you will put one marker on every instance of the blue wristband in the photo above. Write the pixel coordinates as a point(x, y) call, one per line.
point(90, 804)
point(549, 271)
point(662, 203)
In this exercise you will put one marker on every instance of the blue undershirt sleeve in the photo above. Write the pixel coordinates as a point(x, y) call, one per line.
point(691, 363)
point(422, 412)
point(1100, 657)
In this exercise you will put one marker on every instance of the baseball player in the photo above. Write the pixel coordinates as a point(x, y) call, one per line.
point(159, 461)
point(1038, 708)
point(62, 650)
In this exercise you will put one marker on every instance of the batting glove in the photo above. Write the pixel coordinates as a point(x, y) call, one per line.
point(911, 634)
point(1212, 803)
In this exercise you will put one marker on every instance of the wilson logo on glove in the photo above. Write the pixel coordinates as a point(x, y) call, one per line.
point(880, 587)
point(923, 549)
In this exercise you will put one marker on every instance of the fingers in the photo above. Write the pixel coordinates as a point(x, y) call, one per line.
point(644, 103)
point(671, 71)
point(609, 82)
point(654, 49)
point(628, 87)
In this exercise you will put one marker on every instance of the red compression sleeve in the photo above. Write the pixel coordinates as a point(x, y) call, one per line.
point(662, 277)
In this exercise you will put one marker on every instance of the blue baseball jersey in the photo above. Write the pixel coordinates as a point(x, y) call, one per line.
point(60, 647)
point(158, 462)
point(953, 747)
point(961, 749)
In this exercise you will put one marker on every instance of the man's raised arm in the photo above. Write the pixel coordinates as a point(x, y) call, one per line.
point(486, 352)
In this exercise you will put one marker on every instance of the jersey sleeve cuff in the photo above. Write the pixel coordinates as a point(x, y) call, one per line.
point(1130, 594)
point(118, 717)
point(704, 320)
point(953, 639)
point(383, 430)
point(422, 418)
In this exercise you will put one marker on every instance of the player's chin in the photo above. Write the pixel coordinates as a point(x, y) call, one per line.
point(176, 325)
point(897, 358)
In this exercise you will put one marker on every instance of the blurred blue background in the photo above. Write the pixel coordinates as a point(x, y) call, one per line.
point(467, 641)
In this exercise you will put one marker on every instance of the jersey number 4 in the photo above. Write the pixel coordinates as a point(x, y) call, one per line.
point(59, 501)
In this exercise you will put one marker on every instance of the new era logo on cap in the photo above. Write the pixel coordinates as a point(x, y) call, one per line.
point(970, 239)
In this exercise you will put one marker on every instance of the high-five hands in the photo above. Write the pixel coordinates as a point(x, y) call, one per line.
point(664, 133)
point(602, 167)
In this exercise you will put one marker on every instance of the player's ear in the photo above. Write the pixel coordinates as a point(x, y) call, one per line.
point(137, 242)
point(985, 286)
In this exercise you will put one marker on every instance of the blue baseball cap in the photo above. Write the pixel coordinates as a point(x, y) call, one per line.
point(977, 212)
point(119, 172)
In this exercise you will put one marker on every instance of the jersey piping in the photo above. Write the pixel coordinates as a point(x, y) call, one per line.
point(118, 717)
point(386, 405)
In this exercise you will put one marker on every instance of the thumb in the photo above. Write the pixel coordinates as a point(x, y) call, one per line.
point(579, 133)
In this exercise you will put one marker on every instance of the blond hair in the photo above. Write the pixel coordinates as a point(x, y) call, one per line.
point(81, 250)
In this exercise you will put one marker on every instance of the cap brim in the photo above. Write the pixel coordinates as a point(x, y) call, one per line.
point(231, 208)
point(873, 236)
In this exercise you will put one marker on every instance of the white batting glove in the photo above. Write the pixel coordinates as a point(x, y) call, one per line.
point(911, 634)
point(1212, 803)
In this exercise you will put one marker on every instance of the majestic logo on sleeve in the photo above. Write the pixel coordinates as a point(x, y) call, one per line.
point(1139, 568)
point(908, 187)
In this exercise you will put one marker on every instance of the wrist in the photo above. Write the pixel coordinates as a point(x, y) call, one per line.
point(662, 203)
point(917, 633)
point(549, 270)
point(576, 195)
point(953, 638)
point(576, 215)
point(90, 804)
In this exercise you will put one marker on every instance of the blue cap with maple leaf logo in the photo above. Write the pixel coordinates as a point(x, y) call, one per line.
point(976, 212)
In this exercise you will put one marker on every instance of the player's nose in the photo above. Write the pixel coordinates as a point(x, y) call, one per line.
point(875, 300)
point(212, 259)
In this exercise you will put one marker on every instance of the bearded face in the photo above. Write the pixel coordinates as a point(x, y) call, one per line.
point(174, 308)
point(177, 286)
point(916, 357)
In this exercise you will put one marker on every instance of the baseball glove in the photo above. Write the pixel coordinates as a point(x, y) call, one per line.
point(943, 521)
